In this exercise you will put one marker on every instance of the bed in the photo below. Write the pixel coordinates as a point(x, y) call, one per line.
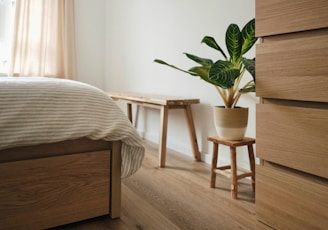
point(64, 148)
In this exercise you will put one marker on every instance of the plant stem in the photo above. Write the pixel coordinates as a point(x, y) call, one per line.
point(239, 79)
point(235, 100)
point(231, 95)
point(247, 84)
point(223, 96)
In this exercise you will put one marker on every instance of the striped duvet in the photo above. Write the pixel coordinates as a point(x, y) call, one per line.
point(35, 110)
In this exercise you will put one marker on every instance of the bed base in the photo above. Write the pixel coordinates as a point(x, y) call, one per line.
point(55, 184)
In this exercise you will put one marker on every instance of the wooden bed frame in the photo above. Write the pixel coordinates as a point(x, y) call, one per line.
point(50, 185)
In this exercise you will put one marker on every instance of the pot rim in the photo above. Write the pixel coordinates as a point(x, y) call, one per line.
point(236, 107)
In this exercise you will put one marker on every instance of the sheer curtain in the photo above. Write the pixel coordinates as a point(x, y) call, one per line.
point(44, 39)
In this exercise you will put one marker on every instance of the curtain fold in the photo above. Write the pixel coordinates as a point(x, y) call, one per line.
point(44, 39)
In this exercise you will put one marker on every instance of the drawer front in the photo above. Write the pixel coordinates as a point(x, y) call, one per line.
point(294, 69)
point(295, 137)
point(284, 16)
point(287, 200)
point(53, 191)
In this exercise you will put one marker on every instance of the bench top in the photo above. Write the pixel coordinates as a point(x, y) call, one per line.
point(152, 98)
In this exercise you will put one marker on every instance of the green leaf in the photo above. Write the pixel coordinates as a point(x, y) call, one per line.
point(233, 43)
point(210, 41)
point(224, 74)
point(161, 62)
point(202, 72)
point(250, 66)
point(248, 36)
point(203, 61)
point(174, 67)
point(248, 89)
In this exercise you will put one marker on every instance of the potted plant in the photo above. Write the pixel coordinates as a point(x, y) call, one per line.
point(226, 75)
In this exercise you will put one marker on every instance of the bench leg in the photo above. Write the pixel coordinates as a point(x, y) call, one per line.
point(163, 135)
point(129, 111)
point(192, 133)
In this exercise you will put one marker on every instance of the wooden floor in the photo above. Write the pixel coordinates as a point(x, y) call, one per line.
point(178, 197)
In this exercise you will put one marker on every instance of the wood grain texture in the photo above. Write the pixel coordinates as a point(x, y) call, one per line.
point(287, 199)
point(293, 137)
point(291, 125)
point(295, 66)
point(153, 99)
point(285, 16)
point(41, 193)
point(53, 149)
point(177, 197)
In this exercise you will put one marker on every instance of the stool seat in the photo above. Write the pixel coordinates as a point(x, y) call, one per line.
point(247, 141)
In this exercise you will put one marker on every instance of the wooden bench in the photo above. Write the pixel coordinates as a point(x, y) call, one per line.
point(163, 103)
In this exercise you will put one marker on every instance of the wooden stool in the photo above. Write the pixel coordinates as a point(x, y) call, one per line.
point(233, 166)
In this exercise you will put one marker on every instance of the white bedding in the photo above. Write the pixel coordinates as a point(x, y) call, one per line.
point(35, 110)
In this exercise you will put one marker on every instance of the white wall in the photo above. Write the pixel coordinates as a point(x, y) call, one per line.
point(137, 32)
point(90, 41)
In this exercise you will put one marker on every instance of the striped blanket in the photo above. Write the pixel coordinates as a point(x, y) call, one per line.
point(35, 110)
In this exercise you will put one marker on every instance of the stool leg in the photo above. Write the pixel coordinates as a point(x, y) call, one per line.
point(214, 164)
point(252, 164)
point(234, 188)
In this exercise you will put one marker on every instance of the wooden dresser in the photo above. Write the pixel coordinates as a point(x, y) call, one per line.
point(292, 118)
